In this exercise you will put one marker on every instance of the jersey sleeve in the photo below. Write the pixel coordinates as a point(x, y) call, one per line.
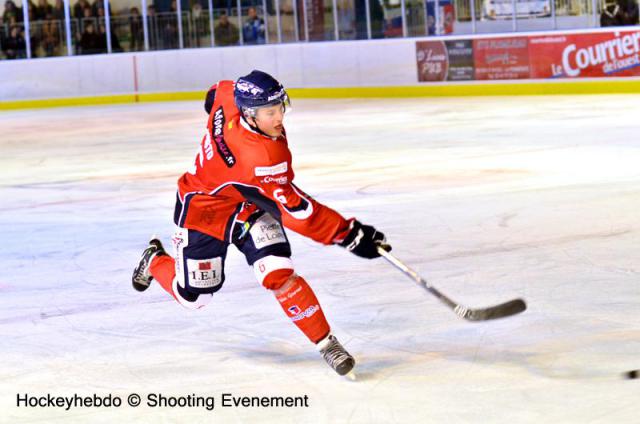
point(297, 210)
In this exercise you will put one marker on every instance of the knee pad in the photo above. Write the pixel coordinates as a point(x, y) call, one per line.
point(190, 300)
point(273, 271)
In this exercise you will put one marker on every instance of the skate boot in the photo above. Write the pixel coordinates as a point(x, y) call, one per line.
point(141, 275)
point(336, 355)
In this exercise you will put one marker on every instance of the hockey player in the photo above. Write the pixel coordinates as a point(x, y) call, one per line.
point(241, 191)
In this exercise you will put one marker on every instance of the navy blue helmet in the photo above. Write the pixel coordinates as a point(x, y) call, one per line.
point(256, 90)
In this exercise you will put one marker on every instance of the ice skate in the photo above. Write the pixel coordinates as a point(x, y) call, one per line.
point(141, 275)
point(336, 355)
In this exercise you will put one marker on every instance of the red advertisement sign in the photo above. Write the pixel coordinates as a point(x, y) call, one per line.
point(601, 54)
point(583, 55)
point(501, 58)
point(433, 60)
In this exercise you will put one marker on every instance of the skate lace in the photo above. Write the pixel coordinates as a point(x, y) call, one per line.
point(335, 354)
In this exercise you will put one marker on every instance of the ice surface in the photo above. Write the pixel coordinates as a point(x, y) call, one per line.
point(489, 198)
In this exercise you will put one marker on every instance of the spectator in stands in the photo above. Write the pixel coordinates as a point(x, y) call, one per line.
point(98, 12)
point(169, 28)
point(11, 14)
point(99, 4)
point(196, 11)
point(115, 42)
point(58, 10)
point(137, 33)
point(253, 28)
point(90, 42)
point(621, 12)
point(32, 9)
point(200, 22)
point(79, 9)
point(50, 36)
point(14, 45)
point(87, 17)
point(611, 15)
point(629, 11)
point(152, 26)
point(226, 33)
point(42, 10)
point(346, 20)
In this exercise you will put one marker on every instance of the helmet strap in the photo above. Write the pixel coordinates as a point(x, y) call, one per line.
point(254, 127)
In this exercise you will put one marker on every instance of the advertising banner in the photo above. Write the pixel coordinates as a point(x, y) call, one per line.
point(432, 60)
point(445, 61)
point(501, 58)
point(585, 55)
point(601, 54)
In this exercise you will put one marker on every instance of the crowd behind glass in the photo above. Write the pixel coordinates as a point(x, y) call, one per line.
point(59, 27)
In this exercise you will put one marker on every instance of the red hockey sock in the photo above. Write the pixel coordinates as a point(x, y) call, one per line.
point(301, 305)
point(164, 271)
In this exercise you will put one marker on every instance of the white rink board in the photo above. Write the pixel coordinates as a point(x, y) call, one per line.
point(491, 198)
point(66, 77)
point(325, 64)
point(365, 63)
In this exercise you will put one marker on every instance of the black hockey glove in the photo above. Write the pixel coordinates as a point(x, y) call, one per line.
point(363, 240)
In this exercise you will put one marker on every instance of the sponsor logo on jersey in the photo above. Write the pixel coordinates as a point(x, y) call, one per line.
point(247, 87)
point(280, 168)
point(218, 138)
point(294, 310)
point(204, 273)
point(306, 314)
point(278, 180)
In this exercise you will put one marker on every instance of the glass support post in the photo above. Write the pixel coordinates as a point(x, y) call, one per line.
point(27, 27)
point(211, 19)
point(67, 27)
point(107, 25)
point(179, 17)
point(403, 11)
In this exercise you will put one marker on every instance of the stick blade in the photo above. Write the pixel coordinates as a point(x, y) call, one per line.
point(507, 309)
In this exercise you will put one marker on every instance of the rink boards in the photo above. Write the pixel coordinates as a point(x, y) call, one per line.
point(508, 64)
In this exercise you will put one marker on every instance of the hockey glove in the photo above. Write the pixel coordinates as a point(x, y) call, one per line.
point(363, 240)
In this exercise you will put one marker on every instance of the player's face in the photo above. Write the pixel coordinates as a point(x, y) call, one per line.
point(269, 120)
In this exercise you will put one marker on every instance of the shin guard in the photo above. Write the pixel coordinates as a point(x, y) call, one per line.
point(301, 305)
point(163, 269)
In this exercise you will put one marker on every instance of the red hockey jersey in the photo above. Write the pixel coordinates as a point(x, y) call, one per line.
point(236, 165)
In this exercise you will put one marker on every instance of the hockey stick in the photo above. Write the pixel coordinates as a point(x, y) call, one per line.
point(502, 310)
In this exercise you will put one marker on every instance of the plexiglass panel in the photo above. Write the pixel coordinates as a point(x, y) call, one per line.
point(12, 35)
point(226, 30)
point(47, 28)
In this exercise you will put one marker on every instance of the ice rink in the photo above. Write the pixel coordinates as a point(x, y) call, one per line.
point(489, 198)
